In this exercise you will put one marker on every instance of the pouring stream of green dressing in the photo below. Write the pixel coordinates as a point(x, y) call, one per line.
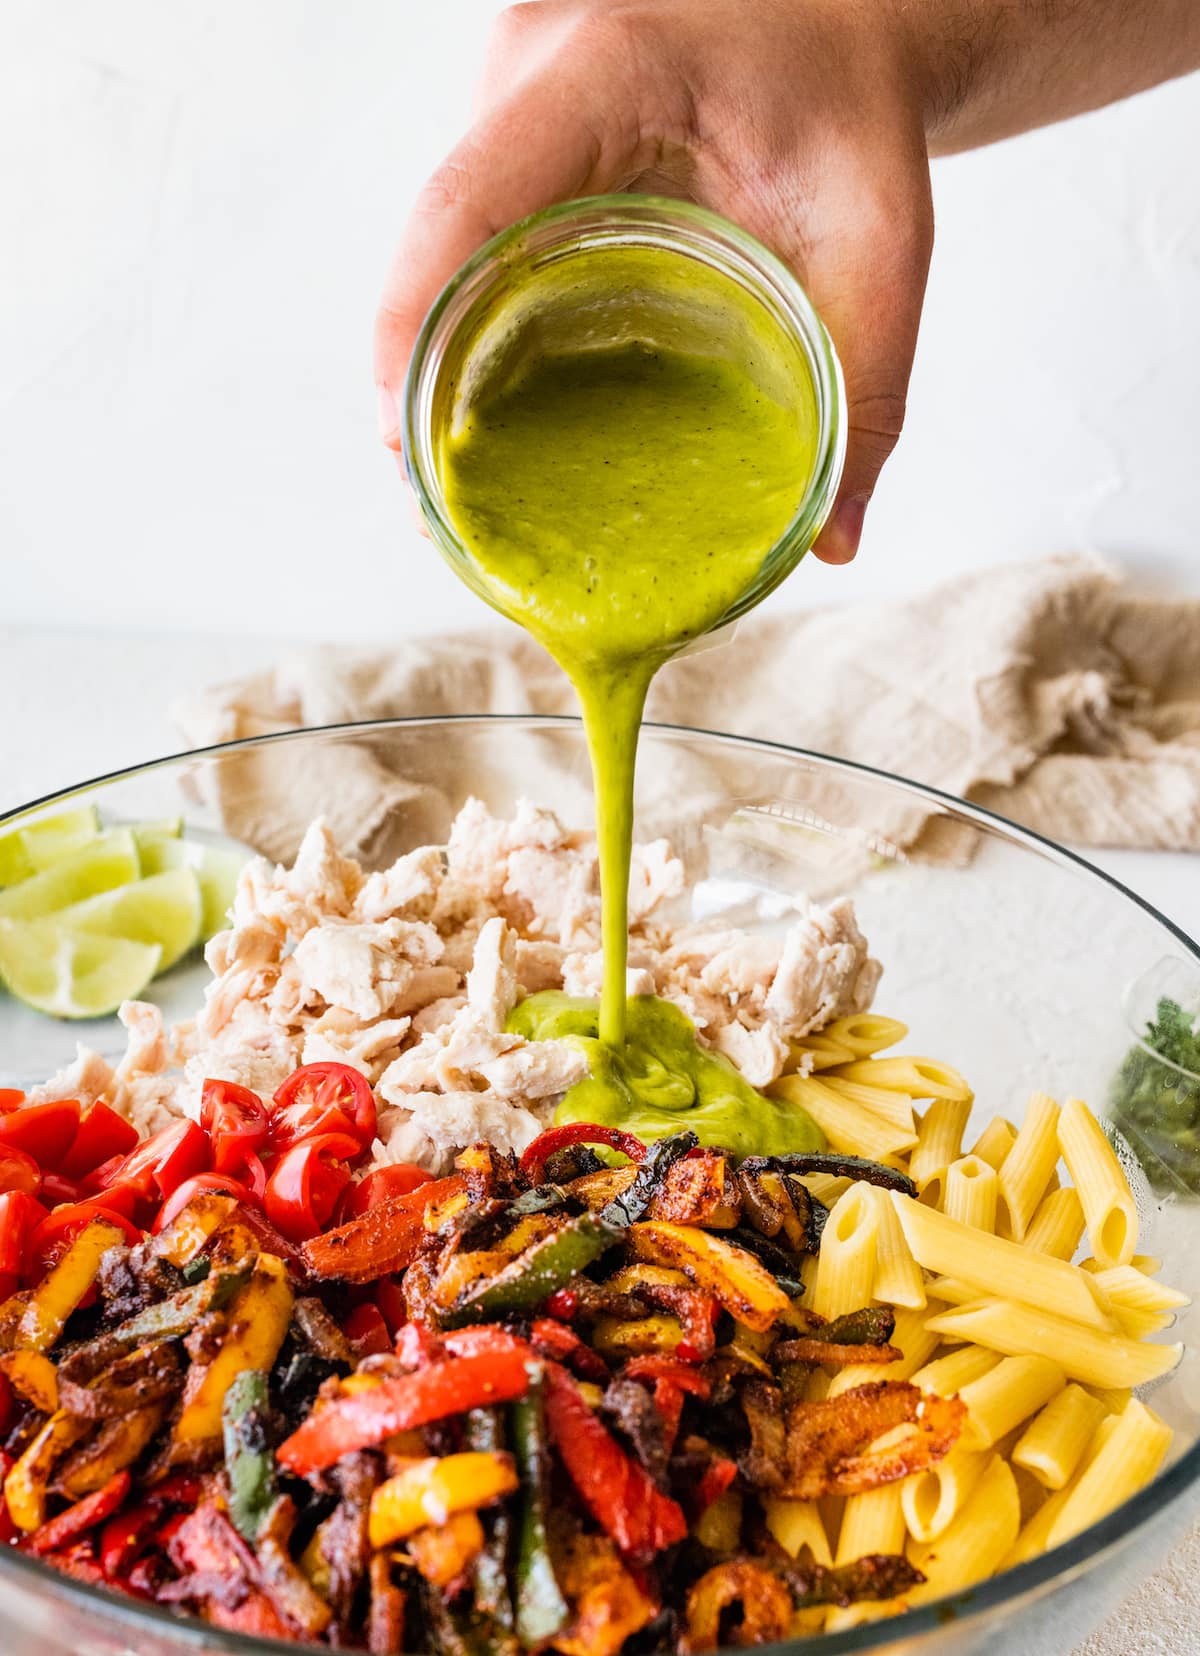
point(629, 441)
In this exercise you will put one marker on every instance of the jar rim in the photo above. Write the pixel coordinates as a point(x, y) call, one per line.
point(680, 226)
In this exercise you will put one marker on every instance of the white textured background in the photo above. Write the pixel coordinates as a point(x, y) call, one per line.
point(196, 204)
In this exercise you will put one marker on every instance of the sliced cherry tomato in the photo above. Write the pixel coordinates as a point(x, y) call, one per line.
point(19, 1171)
point(182, 1195)
point(305, 1185)
point(59, 1229)
point(366, 1331)
point(160, 1164)
point(20, 1216)
point(102, 1135)
point(44, 1131)
point(10, 1097)
point(55, 1189)
point(381, 1182)
point(236, 1121)
point(323, 1098)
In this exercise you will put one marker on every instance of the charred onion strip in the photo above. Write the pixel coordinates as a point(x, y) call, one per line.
point(830, 1444)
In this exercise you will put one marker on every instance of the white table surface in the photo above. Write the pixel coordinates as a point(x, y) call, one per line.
point(75, 705)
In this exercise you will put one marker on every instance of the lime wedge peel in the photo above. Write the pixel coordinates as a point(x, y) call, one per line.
point(34, 846)
point(110, 859)
point(73, 974)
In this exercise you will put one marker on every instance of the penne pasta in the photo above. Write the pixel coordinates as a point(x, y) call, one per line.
point(1108, 1205)
point(1091, 1355)
point(909, 1336)
point(931, 1499)
point(1002, 1268)
point(797, 1524)
point(1130, 1289)
point(865, 1033)
point(896, 1108)
point(994, 1143)
point(846, 1262)
point(974, 1546)
point(1133, 1452)
point(954, 1291)
point(1054, 1442)
point(816, 1052)
point(918, 1077)
point(1114, 1398)
point(1057, 1225)
point(939, 1141)
point(899, 1280)
point(1028, 1167)
point(970, 1193)
point(826, 1187)
point(948, 1375)
point(848, 1127)
point(1033, 1535)
point(871, 1523)
point(1008, 1394)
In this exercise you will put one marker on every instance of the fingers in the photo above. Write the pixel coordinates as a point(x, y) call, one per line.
point(569, 129)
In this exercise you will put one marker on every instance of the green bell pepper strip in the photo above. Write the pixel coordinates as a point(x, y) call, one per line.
point(249, 1464)
point(485, 1432)
point(542, 1611)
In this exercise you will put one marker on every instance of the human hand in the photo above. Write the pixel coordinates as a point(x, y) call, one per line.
point(801, 120)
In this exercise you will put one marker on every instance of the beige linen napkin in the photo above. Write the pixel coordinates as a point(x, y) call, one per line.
point(1046, 691)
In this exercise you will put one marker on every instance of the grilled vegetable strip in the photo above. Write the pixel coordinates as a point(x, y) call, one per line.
point(632, 1203)
point(485, 1432)
point(45, 1316)
point(249, 1466)
point(221, 1573)
point(539, 1272)
point(385, 1618)
point(554, 1139)
point(258, 1321)
point(282, 1581)
point(831, 1448)
point(26, 1484)
point(77, 1520)
point(765, 1601)
point(432, 1393)
point(430, 1491)
point(838, 1167)
point(541, 1609)
point(382, 1241)
point(741, 1284)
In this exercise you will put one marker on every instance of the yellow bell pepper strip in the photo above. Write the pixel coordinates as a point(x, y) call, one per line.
point(434, 1392)
point(744, 1287)
point(445, 1552)
point(379, 1242)
point(115, 1446)
point(61, 1290)
point(33, 1377)
point(25, 1485)
point(430, 1491)
point(194, 1227)
point(258, 1322)
point(541, 1608)
point(617, 1492)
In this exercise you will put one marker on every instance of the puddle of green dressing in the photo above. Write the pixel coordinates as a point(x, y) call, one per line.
point(660, 1081)
point(627, 442)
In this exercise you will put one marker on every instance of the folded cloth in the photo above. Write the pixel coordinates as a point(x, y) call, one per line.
point(1048, 692)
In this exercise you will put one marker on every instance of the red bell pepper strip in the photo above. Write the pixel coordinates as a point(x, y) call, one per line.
point(652, 1366)
point(77, 1520)
point(79, 1561)
point(205, 1543)
point(126, 1537)
point(718, 1476)
point(431, 1393)
point(479, 1339)
point(380, 1242)
point(101, 1135)
point(367, 1332)
point(618, 1493)
point(577, 1132)
point(416, 1346)
point(44, 1131)
point(555, 1339)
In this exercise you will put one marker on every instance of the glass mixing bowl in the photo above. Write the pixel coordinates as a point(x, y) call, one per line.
point(1006, 957)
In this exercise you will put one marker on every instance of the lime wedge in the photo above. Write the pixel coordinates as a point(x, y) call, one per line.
point(164, 909)
point(160, 828)
point(72, 974)
point(110, 859)
point(216, 869)
point(36, 845)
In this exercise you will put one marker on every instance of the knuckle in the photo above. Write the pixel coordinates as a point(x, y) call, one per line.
point(446, 189)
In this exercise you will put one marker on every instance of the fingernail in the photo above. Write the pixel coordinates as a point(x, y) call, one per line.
point(841, 535)
point(389, 416)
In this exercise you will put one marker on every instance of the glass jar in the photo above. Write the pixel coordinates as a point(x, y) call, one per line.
point(722, 294)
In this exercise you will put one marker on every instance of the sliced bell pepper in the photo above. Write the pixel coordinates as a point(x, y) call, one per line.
point(77, 1520)
point(61, 1291)
point(544, 1268)
point(248, 1463)
point(125, 1537)
point(257, 1325)
point(555, 1139)
point(618, 1493)
point(431, 1490)
point(431, 1393)
point(744, 1287)
point(541, 1609)
point(367, 1331)
point(380, 1242)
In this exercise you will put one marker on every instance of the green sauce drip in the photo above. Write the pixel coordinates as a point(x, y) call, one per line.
point(661, 1081)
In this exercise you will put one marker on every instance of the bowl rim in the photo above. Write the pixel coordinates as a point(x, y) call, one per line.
point(1055, 1567)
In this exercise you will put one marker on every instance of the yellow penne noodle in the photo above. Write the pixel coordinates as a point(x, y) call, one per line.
point(1033, 1494)
point(1002, 1268)
point(1114, 1398)
point(1008, 1394)
point(865, 1033)
point(1108, 1205)
point(939, 1142)
point(896, 1108)
point(1054, 1442)
point(899, 1280)
point(1091, 1355)
point(1133, 1453)
point(797, 1524)
point(1032, 1538)
point(846, 1262)
point(918, 1077)
point(1131, 1290)
point(816, 1052)
point(871, 1523)
point(909, 1336)
point(994, 1143)
point(970, 1193)
point(816, 1387)
point(1057, 1226)
point(848, 1127)
point(977, 1541)
point(948, 1375)
point(1025, 1176)
point(954, 1291)
point(826, 1187)
point(1139, 1325)
point(930, 1499)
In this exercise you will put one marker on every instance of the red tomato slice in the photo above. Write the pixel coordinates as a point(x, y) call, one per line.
point(182, 1195)
point(160, 1164)
point(44, 1131)
point(59, 1229)
point(55, 1189)
point(20, 1215)
point(236, 1121)
point(380, 1183)
point(102, 1135)
point(19, 1171)
point(10, 1097)
point(305, 1185)
point(323, 1098)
